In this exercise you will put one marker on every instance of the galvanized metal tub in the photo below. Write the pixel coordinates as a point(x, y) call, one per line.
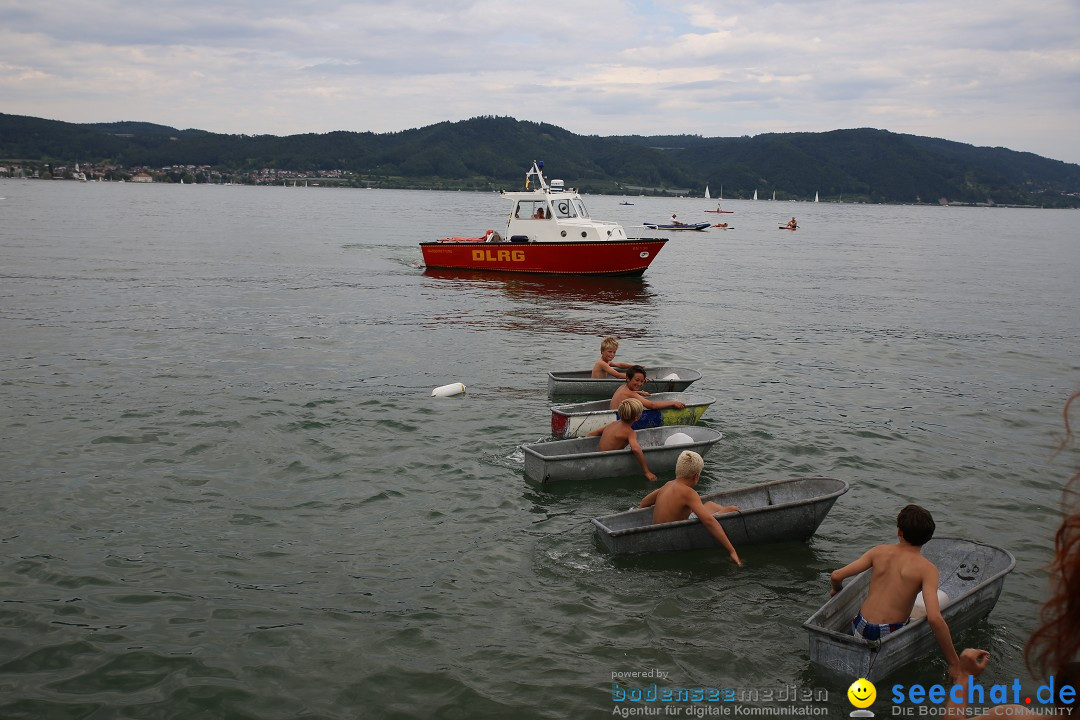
point(580, 419)
point(972, 575)
point(777, 511)
point(579, 459)
point(579, 382)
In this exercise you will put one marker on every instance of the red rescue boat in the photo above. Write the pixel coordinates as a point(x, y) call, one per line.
point(548, 231)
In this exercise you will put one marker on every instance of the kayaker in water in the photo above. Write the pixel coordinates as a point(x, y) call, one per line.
point(792, 224)
point(674, 221)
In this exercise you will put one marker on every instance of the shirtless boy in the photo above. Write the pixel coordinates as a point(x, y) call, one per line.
point(899, 572)
point(617, 435)
point(635, 380)
point(605, 366)
point(678, 499)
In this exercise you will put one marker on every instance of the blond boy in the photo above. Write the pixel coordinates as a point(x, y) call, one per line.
point(605, 366)
point(617, 435)
point(678, 500)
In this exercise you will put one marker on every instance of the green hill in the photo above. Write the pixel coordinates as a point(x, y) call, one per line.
point(859, 165)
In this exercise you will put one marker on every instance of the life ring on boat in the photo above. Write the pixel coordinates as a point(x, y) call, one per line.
point(486, 237)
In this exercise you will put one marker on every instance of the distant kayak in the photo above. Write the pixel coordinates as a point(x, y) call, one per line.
point(626, 203)
point(721, 211)
point(688, 226)
point(785, 227)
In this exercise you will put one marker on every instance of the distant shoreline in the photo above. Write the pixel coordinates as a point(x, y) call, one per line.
point(322, 183)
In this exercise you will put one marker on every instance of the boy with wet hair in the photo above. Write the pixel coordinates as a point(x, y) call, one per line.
point(605, 366)
point(617, 435)
point(898, 573)
point(678, 500)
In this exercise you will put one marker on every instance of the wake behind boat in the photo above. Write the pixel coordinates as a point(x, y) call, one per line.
point(548, 231)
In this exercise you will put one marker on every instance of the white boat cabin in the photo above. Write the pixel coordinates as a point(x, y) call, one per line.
point(553, 213)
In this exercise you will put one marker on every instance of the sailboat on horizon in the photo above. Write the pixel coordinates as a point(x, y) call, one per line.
point(815, 197)
point(755, 194)
point(707, 195)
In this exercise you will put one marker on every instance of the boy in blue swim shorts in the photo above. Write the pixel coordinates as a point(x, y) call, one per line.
point(898, 573)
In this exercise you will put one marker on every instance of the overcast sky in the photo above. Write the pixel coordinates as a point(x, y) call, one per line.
point(986, 72)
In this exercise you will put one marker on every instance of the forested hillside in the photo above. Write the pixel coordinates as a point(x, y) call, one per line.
point(861, 165)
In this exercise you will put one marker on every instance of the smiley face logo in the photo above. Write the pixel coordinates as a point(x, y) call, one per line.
point(862, 693)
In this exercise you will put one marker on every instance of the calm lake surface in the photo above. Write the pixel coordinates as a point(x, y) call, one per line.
point(227, 492)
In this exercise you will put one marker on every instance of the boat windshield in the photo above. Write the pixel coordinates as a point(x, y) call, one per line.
point(570, 208)
point(532, 209)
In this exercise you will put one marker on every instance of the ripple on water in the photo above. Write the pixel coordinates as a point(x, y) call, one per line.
point(126, 439)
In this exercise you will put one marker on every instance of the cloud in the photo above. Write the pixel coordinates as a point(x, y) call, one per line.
point(990, 73)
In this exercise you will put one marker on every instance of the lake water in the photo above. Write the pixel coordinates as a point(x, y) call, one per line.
point(228, 493)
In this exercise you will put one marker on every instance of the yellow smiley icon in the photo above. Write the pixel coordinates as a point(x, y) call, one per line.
point(862, 693)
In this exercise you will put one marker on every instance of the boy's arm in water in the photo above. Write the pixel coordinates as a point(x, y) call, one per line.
point(713, 526)
point(636, 449)
point(935, 619)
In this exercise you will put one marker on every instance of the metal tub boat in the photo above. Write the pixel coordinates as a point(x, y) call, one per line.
point(777, 511)
point(579, 459)
point(972, 575)
point(580, 419)
point(579, 382)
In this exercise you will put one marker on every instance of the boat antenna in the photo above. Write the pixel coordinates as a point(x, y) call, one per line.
point(537, 170)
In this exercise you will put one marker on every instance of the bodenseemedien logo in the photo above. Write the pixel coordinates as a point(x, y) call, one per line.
point(862, 694)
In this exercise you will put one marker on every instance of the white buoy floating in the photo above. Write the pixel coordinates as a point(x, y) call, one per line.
point(679, 438)
point(670, 376)
point(448, 390)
